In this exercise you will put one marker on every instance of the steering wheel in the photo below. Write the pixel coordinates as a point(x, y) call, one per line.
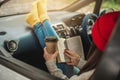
point(85, 30)
point(107, 10)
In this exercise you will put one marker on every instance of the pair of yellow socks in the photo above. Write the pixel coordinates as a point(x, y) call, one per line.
point(38, 13)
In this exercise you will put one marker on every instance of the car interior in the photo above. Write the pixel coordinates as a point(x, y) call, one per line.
point(21, 53)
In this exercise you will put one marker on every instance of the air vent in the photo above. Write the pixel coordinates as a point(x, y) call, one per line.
point(2, 33)
point(11, 45)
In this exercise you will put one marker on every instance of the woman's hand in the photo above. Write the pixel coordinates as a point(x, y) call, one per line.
point(49, 56)
point(74, 57)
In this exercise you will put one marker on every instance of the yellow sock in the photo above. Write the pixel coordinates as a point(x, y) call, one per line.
point(38, 13)
point(42, 10)
point(32, 18)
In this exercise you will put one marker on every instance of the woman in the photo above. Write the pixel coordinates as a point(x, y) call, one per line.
point(101, 32)
point(39, 22)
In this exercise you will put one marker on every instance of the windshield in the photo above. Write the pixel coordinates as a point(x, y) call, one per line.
point(24, 6)
point(11, 7)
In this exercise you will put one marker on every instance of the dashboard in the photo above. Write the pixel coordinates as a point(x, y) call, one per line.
point(14, 28)
point(68, 25)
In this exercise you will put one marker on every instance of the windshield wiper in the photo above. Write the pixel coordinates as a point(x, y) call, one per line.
point(3, 2)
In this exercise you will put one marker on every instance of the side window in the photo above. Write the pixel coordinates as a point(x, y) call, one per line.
point(114, 4)
point(109, 6)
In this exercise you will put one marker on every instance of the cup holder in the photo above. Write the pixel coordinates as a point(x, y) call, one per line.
point(2, 33)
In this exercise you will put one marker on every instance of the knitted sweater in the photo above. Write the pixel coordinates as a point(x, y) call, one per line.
point(51, 65)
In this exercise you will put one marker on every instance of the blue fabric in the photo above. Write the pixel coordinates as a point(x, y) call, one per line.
point(43, 30)
point(39, 33)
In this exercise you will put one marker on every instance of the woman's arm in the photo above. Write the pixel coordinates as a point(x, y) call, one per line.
point(81, 63)
point(54, 70)
point(51, 65)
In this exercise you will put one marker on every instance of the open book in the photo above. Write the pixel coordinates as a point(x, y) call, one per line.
point(72, 43)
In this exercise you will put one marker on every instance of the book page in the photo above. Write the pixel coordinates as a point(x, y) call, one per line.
point(72, 43)
point(75, 44)
point(61, 47)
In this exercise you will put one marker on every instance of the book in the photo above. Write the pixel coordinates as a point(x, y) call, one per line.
point(72, 43)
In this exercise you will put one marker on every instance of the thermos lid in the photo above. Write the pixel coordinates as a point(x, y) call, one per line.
point(51, 39)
